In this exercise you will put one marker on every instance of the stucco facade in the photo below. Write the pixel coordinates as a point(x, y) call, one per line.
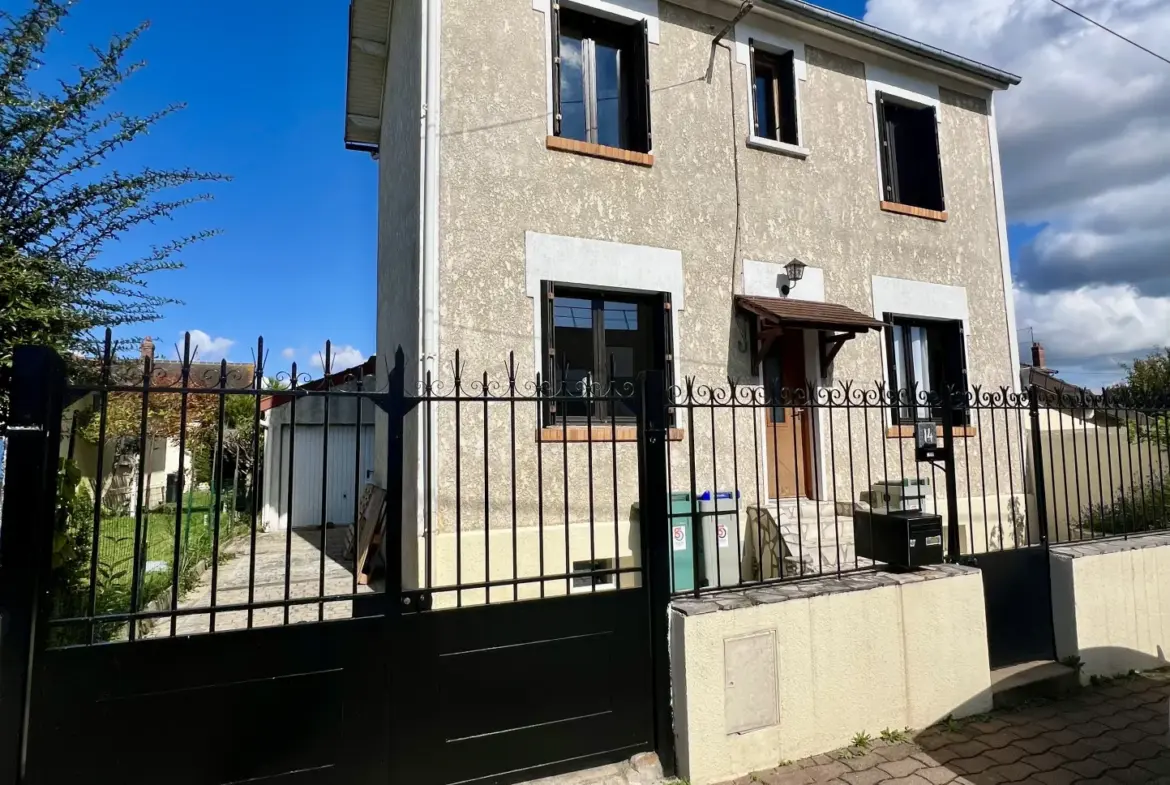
point(717, 204)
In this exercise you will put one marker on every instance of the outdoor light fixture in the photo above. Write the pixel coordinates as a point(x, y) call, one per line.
point(795, 271)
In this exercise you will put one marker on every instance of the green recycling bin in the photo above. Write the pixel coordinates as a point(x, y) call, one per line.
point(682, 543)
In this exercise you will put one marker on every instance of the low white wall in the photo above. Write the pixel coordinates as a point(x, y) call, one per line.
point(1111, 603)
point(782, 673)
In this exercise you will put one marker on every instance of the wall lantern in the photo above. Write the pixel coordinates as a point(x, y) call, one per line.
point(795, 271)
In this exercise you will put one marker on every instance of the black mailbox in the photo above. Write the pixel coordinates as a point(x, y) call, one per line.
point(904, 538)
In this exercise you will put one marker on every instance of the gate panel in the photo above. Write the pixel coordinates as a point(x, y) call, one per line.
point(1017, 594)
point(299, 704)
point(527, 689)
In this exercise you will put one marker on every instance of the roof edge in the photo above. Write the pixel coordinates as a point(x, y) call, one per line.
point(856, 27)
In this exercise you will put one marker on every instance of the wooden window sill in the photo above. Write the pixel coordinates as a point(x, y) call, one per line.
point(599, 151)
point(597, 433)
point(917, 212)
point(907, 431)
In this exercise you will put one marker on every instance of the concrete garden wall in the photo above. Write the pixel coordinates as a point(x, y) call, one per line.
point(785, 672)
point(1111, 604)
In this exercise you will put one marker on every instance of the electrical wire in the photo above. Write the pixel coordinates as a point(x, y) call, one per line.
point(1130, 41)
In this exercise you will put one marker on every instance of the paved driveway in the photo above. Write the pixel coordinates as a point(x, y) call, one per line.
point(304, 570)
point(1113, 733)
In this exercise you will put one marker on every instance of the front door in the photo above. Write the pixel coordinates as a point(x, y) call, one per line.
point(787, 427)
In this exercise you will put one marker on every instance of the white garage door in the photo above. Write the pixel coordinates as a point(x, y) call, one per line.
point(312, 467)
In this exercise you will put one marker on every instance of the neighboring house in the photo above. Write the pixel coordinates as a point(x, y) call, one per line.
point(1097, 453)
point(161, 464)
point(341, 464)
point(592, 173)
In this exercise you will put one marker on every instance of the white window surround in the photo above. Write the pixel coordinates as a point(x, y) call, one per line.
point(604, 265)
point(906, 88)
point(777, 44)
point(919, 298)
point(626, 10)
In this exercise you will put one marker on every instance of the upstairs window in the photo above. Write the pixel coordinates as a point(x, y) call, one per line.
point(925, 356)
point(773, 95)
point(911, 169)
point(601, 91)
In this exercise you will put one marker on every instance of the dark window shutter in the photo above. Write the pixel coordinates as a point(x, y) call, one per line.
point(548, 330)
point(891, 365)
point(932, 140)
point(885, 145)
point(640, 103)
point(955, 370)
point(555, 21)
point(752, 76)
point(788, 132)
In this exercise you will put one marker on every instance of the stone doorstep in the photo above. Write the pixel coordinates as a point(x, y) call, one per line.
point(1017, 684)
point(642, 769)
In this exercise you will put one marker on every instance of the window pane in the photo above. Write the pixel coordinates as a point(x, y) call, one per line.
point(627, 346)
point(765, 97)
point(610, 109)
point(772, 382)
point(572, 89)
point(573, 362)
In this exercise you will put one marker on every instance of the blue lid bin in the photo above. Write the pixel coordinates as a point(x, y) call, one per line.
point(682, 542)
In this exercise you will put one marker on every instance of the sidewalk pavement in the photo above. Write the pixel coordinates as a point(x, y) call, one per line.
point(1116, 732)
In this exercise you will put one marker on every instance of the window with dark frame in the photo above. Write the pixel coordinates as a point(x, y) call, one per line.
point(911, 167)
point(597, 343)
point(601, 90)
point(925, 356)
point(773, 95)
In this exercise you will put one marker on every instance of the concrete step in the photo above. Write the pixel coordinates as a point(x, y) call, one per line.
point(1015, 684)
point(642, 769)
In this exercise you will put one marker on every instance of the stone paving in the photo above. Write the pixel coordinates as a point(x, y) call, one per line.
point(1115, 733)
point(304, 581)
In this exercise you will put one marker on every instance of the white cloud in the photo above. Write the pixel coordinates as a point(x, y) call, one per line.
point(1088, 332)
point(206, 349)
point(1085, 142)
point(344, 357)
point(289, 353)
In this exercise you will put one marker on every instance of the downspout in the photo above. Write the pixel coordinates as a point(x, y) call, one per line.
point(430, 249)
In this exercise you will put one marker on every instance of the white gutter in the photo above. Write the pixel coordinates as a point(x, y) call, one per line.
point(1009, 300)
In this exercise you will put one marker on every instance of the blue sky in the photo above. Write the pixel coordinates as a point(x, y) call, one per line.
point(264, 84)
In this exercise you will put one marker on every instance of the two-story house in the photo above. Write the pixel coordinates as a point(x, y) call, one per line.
point(787, 194)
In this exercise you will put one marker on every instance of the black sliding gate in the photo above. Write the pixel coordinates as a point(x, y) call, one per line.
point(165, 636)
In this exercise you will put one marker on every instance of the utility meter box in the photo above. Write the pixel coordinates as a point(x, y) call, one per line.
point(721, 539)
point(906, 538)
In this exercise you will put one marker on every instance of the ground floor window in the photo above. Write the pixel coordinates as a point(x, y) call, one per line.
point(924, 356)
point(597, 344)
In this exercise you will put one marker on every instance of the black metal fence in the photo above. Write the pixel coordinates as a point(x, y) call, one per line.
point(138, 557)
point(525, 488)
point(530, 489)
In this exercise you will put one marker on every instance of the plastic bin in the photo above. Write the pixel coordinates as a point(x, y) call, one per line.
point(722, 541)
point(682, 543)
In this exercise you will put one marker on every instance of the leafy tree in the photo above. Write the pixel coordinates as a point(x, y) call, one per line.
point(1146, 390)
point(63, 202)
point(1150, 376)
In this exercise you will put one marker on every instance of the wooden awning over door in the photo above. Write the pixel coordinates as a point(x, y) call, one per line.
point(835, 324)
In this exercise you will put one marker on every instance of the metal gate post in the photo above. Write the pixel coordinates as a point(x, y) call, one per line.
point(655, 537)
point(34, 444)
point(1038, 464)
point(952, 488)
